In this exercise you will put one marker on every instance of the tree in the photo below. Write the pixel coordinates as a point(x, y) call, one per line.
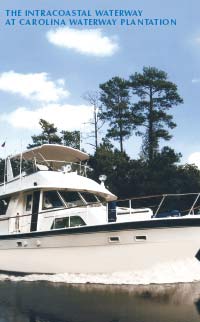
point(157, 95)
point(71, 139)
point(114, 164)
point(48, 135)
point(162, 173)
point(93, 98)
point(117, 111)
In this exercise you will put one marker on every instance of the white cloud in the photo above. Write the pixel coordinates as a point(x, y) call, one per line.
point(197, 40)
point(36, 86)
point(88, 42)
point(196, 80)
point(194, 158)
point(65, 117)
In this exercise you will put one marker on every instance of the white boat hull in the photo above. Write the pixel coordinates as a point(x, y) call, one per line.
point(93, 252)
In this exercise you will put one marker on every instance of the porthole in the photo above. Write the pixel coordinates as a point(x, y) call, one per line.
point(141, 238)
point(19, 244)
point(114, 239)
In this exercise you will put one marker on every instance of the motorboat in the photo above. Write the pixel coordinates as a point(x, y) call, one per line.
point(55, 219)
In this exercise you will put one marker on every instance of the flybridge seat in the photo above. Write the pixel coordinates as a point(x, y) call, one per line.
point(42, 167)
point(71, 167)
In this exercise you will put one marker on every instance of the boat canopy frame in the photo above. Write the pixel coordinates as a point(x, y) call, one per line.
point(54, 156)
point(53, 153)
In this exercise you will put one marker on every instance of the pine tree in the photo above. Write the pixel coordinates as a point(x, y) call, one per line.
point(117, 110)
point(48, 135)
point(157, 95)
point(71, 138)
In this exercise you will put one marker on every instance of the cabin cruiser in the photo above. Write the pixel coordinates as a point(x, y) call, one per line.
point(54, 219)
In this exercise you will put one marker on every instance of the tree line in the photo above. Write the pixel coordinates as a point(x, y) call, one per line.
point(139, 106)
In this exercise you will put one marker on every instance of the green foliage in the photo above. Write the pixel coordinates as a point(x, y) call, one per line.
point(48, 135)
point(117, 111)
point(128, 178)
point(156, 96)
point(71, 139)
point(111, 162)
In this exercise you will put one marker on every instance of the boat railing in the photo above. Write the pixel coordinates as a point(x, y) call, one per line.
point(166, 204)
point(63, 166)
point(31, 167)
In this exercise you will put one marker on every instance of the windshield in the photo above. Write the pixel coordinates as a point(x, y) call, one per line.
point(51, 200)
point(89, 197)
point(72, 198)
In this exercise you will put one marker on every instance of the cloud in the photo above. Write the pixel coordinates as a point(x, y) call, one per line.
point(197, 40)
point(36, 86)
point(88, 42)
point(196, 80)
point(65, 117)
point(194, 158)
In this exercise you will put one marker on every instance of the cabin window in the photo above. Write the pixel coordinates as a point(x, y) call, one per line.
point(89, 197)
point(29, 202)
point(4, 202)
point(73, 221)
point(51, 200)
point(72, 198)
point(76, 221)
point(60, 223)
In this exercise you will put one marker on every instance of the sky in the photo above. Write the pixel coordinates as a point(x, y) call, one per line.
point(45, 70)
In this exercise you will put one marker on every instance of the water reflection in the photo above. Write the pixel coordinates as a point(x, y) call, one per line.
point(48, 302)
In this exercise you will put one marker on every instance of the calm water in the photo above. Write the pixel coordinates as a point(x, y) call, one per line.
point(55, 302)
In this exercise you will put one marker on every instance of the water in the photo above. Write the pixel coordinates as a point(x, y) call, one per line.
point(44, 301)
point(170, 272)
point(90, 298)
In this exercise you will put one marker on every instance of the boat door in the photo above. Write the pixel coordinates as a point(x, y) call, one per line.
point(25, 221)
point(35, 210)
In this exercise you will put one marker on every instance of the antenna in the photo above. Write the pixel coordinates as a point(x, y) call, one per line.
point(20, 165)
point(5, 166)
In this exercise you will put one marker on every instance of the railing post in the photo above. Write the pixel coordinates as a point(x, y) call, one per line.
point(130, 206)
point(20, 168)
point(4, 176)
point(87, 212)
point(194, 203)
point(159, 206)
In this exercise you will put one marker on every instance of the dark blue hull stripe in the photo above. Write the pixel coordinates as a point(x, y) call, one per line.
point(151, 224)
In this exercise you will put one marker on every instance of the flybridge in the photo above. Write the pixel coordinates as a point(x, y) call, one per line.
point(118, 13)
